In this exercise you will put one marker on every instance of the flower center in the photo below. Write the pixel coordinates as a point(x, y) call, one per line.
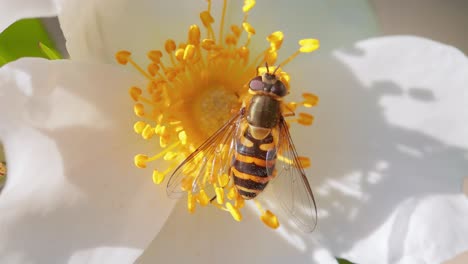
point(194, 90)
point(213, 108)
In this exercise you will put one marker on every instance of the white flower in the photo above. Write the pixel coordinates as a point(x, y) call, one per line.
point(388, 147)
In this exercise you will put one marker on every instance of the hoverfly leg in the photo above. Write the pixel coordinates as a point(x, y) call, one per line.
point(287, 111)
point(212, 199)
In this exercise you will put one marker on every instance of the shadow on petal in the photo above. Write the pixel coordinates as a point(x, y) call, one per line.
point(80, 197)
point(364, 167)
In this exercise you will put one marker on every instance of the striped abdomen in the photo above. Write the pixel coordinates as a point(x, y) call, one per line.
point(253, 164)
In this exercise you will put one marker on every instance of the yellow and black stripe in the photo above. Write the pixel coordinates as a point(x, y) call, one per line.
point(253, 164)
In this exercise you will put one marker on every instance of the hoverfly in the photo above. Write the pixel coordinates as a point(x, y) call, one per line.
point(260, 150)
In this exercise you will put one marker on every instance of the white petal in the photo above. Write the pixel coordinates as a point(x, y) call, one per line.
point(212, 236)
point(106, 27)
point(15, 10)
point(72, 192)
point(427, 230)
point(390, 128)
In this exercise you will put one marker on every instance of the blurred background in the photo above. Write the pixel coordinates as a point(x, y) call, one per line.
point(443, 21)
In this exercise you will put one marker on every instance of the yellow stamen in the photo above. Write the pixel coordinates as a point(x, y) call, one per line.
point(135, 93)
point(170, 46)
point(235, 213)
point(310, 99)
point(193, 90)
point(307, 45)
point(202, 198)
point(248, 4)
point(158, 177)
point(267, 217)
point(147, 132)
point(223, 15)
point(139, 126)
point(219, 195)
point(123, 57)
point(276, 40)
point(191, 202)
point(305, 119)
point(155, 56)
point(140, 161)
point(305, 162)
point(194, 35)
point(139, 109)
point(232, 194)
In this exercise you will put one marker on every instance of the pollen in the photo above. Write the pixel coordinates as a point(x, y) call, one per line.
point(194, 86)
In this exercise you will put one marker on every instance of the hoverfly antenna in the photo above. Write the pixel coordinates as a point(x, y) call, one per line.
point(277, 67)
point(266, 65)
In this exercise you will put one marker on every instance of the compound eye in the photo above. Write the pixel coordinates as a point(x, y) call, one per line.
point(256, 84)
point(279, 89)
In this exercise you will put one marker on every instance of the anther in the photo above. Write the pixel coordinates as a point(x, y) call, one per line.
point(248, 4)
point(208, 44)
point(236, 30)
point(305, 162)
point(153, 69)
point(202, 198)
point(123, 56)
point(139, 109)
point(170, 156)
point(310, 99)
point(305, 119)
point(219, 195)
point(248, 28)
point(158, 177)
point(135, 93)
point(276, 40)
point(188, 52)
point(140, 161)
point(223, 180)
point(191, 202)
point(308, 45)
point(231, 40)
point(183, 137)
point(206, 18)
point(147, 132)
point(194, 35)
point(232, 193)
point(179, 54)
point(139, 126)
point(235, 213)
point(170, 46)
point(269, 219)
point(155, 56)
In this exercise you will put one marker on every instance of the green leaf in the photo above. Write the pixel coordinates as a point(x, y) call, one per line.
point(50, 53)
point(344, 261)
point(22, 39)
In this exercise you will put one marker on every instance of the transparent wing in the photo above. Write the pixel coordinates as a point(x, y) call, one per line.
point(291, 186)
point(209, 163)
